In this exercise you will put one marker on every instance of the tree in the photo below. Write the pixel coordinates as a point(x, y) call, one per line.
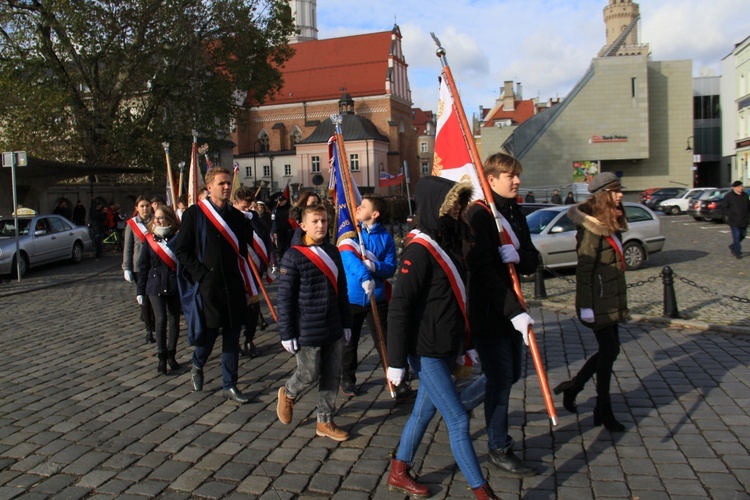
point(107, 81)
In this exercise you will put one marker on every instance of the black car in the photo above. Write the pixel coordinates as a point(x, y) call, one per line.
point(694, 207)
point(652, 200)
point(712, 209)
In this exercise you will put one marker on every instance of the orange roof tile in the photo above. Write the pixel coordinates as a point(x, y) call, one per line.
point(320, 68)
point(524, 110)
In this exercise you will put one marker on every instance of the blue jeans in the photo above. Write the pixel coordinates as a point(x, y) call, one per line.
point(738, 234)
point(230, 353)
point(500, 355)
point(437, 393)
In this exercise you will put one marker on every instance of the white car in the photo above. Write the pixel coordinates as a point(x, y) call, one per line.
point(676, 206)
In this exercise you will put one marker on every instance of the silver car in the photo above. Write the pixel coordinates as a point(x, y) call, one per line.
point(42, 239)
point(554, 235)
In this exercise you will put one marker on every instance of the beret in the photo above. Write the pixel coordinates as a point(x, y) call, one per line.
point(604, 180)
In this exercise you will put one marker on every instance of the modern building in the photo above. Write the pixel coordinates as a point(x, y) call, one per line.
point(364, 77)
point(736, 92)
point(627, 114)
point(705, 142)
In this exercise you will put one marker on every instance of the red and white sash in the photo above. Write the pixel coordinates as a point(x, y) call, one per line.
point(442, 258)
point(507, 228)
point(221, 225)
point(615, 243)
point(138, 228)
point(161, 249)
point(322, 261)
point(351, 245)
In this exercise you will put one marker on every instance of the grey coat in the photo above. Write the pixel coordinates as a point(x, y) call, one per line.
point(132, 251)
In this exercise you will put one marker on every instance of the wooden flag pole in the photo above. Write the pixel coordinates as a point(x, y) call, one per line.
point(170, 177)
point(504, 239)
point(259, 280)
point(349, 194)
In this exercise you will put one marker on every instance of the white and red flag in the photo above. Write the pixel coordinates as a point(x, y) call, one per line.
point(387, 179)
point(195, 179)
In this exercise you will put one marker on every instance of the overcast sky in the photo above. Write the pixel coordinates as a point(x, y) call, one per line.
point(544, 44)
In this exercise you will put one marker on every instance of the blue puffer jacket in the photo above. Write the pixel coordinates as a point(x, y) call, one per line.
point(309, 308)
point(379, 242)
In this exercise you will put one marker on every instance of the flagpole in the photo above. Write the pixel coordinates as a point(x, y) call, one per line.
point(504, 239)
point(406, 179)
point(259, 280)
point(170, 178)
point(194, 171)
point(349, 195)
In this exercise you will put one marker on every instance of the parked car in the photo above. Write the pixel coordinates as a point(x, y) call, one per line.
point(652, 199)
point(678, 205)
point(42, 239)
point(712, 209)
point(554, 235)
point(528, 208)
point(694, 207)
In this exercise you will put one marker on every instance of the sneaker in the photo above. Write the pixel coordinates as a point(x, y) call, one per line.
point(349, 390)
point(197, 377)
point(329, 430)
point(509, 463)
point(284, 406)
point(738, 255)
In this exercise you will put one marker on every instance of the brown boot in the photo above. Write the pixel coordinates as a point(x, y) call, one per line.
point(485, 491)
point(399, 479)
point(284, 406)
point(329, 430)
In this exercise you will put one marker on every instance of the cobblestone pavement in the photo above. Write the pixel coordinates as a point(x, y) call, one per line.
point(83, 413)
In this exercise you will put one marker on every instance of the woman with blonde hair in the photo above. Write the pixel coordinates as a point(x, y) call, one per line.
point(157, 284)
point(601, 297)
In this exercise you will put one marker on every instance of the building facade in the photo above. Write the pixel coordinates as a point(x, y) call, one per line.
point(741, 76)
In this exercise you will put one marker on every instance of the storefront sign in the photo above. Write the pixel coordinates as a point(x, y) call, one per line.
point(597, 139)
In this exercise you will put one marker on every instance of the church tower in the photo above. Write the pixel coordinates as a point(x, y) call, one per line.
point(621, 19)
point(305, 19)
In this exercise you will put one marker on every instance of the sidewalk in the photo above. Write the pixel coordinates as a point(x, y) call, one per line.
point(83, 413)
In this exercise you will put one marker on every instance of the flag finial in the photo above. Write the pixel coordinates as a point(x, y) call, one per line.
point(336, 119)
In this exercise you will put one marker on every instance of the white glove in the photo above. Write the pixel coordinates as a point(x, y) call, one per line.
point(273, 273)
point(509, 254)
point(290, 345)
point(473, 356)
point(522, 322)
point(587, 315)
point(129, 276)
point(140, 299)
point(370, 265)
point(347, 334)
point(396, 375)
point(368, 286)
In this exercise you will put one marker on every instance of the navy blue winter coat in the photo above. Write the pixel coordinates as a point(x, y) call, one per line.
point(309, 308)
point(155, 277)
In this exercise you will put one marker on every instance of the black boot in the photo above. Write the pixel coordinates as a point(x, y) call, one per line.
point(173, 364)
point(603, 415)
point(150, 337)
point(570, 389)
point(162, 367)
point(404, 392)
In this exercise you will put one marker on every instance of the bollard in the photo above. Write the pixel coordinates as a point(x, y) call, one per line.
point(540, 291)
point(670, 301)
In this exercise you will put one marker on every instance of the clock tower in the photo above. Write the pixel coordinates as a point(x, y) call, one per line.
point(622, 19)
point(305, 20)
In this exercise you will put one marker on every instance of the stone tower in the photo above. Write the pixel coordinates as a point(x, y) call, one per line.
point(617, 16)
point(305, 19)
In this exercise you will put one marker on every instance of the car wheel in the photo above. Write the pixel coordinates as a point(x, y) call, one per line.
point(24, 267)
point(706, 219)
point(634, 255)
point(674, 210)
point(77, 254)
point(697, 219)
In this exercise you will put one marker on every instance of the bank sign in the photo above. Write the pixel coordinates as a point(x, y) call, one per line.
point(599, 139)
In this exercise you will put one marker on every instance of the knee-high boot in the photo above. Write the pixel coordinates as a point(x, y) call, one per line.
point(570, 389)
point(603, 415)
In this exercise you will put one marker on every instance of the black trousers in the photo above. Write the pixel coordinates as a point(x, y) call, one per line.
point(602, 361)
point(349, 353)
point(166, 312)
point(147, 312)
point(252, 315)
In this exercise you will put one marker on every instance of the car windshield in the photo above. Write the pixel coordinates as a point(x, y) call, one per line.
point(540, 219)
point(8, 228)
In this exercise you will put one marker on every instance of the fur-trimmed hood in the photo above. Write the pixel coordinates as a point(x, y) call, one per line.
point(590, 223)
point(435, 196)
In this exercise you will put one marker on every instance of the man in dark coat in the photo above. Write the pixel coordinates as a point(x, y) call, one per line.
point(213, 263)
point(281, 229)
point(737, 210)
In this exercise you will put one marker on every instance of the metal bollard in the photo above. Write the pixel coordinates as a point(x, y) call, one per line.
point(540, 290)
point(670, 301)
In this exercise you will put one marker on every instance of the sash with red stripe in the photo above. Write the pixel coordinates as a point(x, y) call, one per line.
point(293, 223)
point(138, 228)
point(349, 245)
point(220, 224)
point(457, 284)
point(615, 243)
point(506, 225)
point(161, 249)
point(322, 261)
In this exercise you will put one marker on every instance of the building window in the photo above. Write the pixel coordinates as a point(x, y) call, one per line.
point(425, 167)
point(296, 137)
point(264, 143)
point(315, 167)
point(248, 171)
point(354, 162)
point(266, 171)
point(632, 87)
point(423, 147)
point(287, 170)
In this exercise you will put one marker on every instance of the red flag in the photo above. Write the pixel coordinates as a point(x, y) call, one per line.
point(285, 194)
point(387, 179)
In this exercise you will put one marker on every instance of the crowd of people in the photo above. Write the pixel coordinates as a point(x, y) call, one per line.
point(452, 299)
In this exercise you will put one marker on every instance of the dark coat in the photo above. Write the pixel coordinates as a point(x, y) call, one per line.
point(492, 301)
point(220, 284)
point(155, 277)
point(600, 279)
point(737, 209)
point(309, 308)
point(424, 317)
